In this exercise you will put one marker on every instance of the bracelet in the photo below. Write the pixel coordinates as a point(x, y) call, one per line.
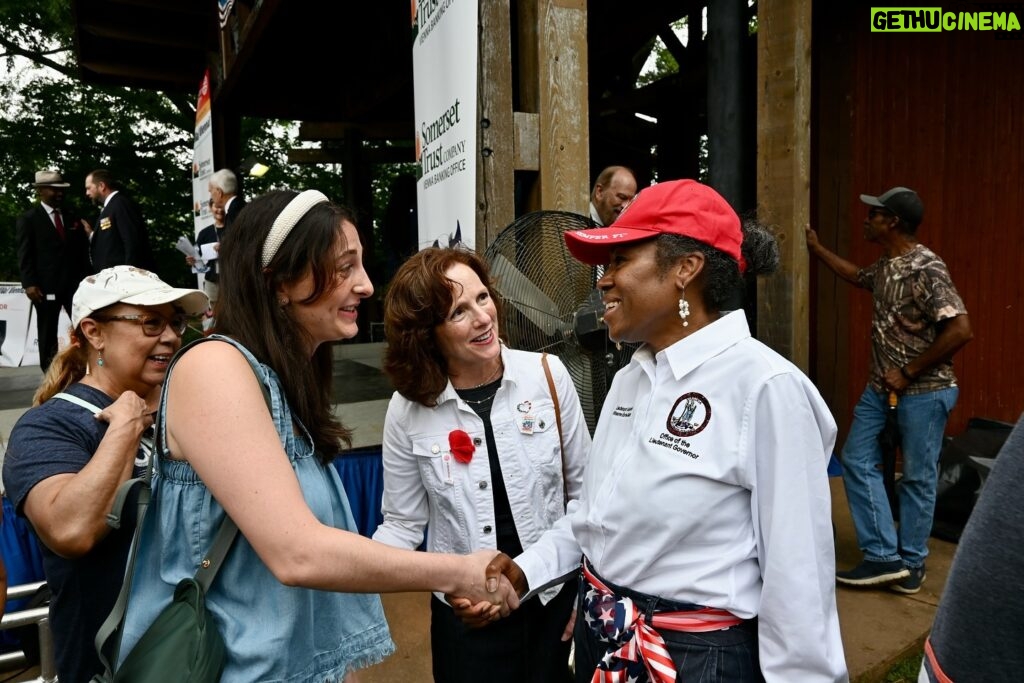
point(906, 375)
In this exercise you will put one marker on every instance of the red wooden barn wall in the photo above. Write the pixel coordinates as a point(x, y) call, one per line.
point(942, 113)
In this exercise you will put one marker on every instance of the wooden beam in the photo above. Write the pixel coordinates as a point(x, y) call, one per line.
point(339, 155)
point(248, 28)
point(339, 130)
point(143, 36)
point(783, 171)
point(171, 78)
point(526, 141)
point(564, 119)
point(495, 156)
point(176, 6)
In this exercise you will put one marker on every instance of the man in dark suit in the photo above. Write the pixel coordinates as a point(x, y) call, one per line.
point(119, 236)
point(53, 256)
point(224, 193)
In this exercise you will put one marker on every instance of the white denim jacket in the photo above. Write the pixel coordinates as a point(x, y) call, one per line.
point(426, 488)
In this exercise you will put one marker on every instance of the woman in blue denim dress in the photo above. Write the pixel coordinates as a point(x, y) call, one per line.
point(293, 599)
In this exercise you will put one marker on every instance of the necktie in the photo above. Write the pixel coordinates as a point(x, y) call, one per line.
point(57, 221)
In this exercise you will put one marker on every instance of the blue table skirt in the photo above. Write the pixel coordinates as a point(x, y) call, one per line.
point(24, 562)
point(362, 473)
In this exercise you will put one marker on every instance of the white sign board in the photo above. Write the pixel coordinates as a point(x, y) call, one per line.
point(444, 61)
point(19, 343)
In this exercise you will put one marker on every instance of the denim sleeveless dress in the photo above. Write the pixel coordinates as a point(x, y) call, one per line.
point(272, 632)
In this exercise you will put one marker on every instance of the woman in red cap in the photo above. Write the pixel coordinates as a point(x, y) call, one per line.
point(704, 521)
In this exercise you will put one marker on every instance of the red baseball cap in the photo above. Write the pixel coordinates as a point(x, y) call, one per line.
point(676, 207)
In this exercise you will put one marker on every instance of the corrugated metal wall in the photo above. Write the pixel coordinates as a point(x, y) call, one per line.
point(941, 113)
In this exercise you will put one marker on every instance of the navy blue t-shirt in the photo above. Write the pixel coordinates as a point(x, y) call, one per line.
point(60, 437)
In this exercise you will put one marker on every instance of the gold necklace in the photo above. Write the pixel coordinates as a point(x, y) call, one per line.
point(486, 381)
point(485, 399)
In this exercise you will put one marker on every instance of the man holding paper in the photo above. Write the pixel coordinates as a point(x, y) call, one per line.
point(203, 258)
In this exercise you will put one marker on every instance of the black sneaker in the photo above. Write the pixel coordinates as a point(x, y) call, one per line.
point(912, 583)
point(869, 573)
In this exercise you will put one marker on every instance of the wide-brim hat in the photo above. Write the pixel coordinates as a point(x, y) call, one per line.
point(50, 179)
point(676, 207)
point(131, 285)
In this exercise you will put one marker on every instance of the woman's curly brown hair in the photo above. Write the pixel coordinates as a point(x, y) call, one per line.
point(418, 300)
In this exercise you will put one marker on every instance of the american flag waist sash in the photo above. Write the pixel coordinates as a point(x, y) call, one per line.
point(634, 644)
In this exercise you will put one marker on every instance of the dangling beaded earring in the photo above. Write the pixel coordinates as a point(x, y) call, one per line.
point(684, 308)
point(99, 361)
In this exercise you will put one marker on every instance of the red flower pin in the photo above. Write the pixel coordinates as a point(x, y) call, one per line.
point(461, 446)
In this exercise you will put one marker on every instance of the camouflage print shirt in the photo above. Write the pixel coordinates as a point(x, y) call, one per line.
point(912, 294)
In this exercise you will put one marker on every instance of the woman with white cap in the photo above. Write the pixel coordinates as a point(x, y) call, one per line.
point(67, 455)
point(704, 520)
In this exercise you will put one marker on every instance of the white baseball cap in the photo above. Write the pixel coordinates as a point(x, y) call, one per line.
point(131, 285)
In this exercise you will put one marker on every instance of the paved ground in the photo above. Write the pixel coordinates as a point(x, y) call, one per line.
point(879, 627)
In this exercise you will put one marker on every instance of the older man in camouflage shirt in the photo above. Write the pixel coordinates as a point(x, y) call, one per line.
point(919, 322)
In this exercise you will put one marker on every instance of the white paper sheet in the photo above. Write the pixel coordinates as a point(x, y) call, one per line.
point(208, 252)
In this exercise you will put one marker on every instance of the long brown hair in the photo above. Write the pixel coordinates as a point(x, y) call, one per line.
point(248, 310)
point(418, 300)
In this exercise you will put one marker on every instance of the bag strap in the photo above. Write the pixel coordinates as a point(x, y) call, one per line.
point(115, 515)
point(210, 564)
point(558, 422)
point(71, 398)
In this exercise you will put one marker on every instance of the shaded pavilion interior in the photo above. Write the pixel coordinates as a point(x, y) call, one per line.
point(345, 71)
point(935, 112)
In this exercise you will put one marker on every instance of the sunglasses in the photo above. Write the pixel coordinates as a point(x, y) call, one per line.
point(154, 325)
point(880, 212)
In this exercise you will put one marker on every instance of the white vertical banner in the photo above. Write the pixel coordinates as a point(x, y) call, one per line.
point(444, 63)
point(202, 158)
point(19, 342)
point(15, 323)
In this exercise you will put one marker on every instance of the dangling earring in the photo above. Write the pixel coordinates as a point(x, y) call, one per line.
point(99, 361)
point(684, 308)
point(86, 368)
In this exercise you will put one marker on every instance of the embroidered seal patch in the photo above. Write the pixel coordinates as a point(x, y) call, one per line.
point(690, 415)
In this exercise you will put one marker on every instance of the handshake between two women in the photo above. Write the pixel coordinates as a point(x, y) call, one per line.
point(504, 583)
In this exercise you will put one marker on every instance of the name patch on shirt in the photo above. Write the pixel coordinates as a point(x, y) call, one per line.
point(623, 411)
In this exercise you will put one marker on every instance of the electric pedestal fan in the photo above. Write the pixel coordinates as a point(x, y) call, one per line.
point(551, 303)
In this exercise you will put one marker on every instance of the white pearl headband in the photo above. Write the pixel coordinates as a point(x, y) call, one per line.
point(287, 219)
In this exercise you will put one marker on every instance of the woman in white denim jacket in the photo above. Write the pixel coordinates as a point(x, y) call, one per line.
point(472, 456)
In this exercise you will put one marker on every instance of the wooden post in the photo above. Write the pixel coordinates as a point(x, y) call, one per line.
point(495, 157)
point(564, 119)
point(783, 171)
point(727, 36)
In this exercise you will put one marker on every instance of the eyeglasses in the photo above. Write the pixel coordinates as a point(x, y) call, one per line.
point(153, 325)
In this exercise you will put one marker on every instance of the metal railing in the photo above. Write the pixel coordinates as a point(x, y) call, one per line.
point(40, 616)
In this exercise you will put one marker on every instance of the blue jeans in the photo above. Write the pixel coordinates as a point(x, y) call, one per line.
point(922, 420)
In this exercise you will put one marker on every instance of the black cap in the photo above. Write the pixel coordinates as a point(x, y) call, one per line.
point(902, 201)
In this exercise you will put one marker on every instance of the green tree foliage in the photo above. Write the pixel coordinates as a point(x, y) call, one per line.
point(49, 119)
point(52, 120)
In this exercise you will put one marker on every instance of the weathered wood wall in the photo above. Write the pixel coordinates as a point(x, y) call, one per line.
point(940, 113)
